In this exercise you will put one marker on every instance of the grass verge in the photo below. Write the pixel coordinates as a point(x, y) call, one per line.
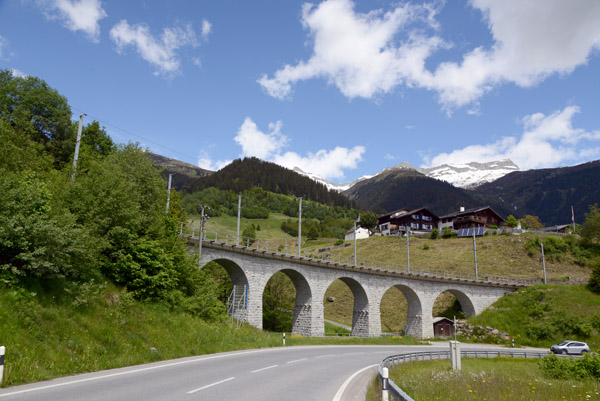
point(47, 337)
point(496, 379)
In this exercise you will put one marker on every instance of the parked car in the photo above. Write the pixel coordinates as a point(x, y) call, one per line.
point(570, 348)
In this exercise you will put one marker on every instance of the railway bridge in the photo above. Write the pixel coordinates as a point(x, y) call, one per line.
point(251, 268)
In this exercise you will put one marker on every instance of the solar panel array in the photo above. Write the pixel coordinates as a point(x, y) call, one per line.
point(468, 232)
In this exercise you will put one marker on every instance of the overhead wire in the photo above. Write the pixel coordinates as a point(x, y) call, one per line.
point(191, 158)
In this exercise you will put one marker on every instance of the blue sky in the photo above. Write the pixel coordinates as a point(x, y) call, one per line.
point(337, 88)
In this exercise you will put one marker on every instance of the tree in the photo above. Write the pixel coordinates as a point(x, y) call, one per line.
point(19, 153)
point(531, 222)
point(38, 241)
point(511, 221)
point(95, 139)
point(590, 229)
point(368, 220)
point(594, 283)
point(249, 233)
point(36, 110)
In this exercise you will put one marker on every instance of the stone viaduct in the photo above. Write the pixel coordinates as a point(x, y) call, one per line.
point(312, 277)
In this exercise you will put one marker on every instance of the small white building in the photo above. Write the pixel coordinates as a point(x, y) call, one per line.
point(361, 233)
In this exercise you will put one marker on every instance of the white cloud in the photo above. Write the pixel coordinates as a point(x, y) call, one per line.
point(256, 143)
point(3, 46)
point(206, 162)
point(160, 53)
point(365, 55)
point(356, 51)
point(389, 157)
point(18, 73)
point(532, 40)
point(77, 15)
point(206, 28)
point(547, 141)
point(325, 163)
point(269, 146)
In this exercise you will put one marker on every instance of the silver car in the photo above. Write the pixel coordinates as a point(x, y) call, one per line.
point(570, 348)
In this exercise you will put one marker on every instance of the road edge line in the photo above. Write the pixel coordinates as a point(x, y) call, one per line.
point(340, 392)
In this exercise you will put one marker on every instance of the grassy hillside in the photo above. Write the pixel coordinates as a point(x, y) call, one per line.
point(498, 255)
point(101, 327)
point(544, 315)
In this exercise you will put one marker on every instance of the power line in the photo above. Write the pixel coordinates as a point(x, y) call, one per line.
point(135, 135)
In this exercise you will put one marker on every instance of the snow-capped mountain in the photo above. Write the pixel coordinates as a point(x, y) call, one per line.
point(468, 175)
point(472, 174)
point(332, 185)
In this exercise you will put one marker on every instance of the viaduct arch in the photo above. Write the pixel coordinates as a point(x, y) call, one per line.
point(311, 278)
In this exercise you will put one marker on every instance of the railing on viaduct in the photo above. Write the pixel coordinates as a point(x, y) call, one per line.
point(264, 249)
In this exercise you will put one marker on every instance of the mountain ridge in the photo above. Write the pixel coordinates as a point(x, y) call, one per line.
point(465, 175)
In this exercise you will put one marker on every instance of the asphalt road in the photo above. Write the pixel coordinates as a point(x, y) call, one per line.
point(308, 373)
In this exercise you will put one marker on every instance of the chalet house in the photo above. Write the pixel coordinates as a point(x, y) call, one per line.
point(361, 233)
point(563, 228)
point(477, 217)
point(399, 221)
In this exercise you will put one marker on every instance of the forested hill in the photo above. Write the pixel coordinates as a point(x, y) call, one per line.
point(546, 193)
point(243, 174)
point(184, 174)
point(397, 189)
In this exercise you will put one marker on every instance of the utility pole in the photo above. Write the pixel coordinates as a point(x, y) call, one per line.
point(237, 239)
point(408, 248)
point(355, 223)
point(573, 218)
point(169, 193)
point(77, 146)
point(200, 237)
point(475, 254)
point(299, 226)
point(544, 263)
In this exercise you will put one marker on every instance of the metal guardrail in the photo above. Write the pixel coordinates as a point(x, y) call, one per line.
point(391, 361)
point(289, 249)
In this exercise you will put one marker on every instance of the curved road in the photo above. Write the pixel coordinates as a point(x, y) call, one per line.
point(306, 373)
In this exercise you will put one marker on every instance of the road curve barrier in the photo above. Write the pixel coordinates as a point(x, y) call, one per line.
point(398, 394)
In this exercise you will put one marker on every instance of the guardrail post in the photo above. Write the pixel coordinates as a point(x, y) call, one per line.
point(385, 375)
point(2, 350)
point(455, 355)
point(283, 338)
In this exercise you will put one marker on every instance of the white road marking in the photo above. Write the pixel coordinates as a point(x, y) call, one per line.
point(210, 385)
point(340, 392)
point(260, 370)
point(324, 356)
point(297, 360)
point(166, 365)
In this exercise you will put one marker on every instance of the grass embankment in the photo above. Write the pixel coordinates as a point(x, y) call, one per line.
point(484, 379)
point(497, 255)
point(544, 315)
point(47, 337)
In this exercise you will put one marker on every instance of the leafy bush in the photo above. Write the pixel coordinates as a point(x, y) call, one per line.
point(39, 239)
point(448, 233)
point(594, 283)
point(434, 233)
point(290, 227)
point(571, 368)
point(249, 233)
